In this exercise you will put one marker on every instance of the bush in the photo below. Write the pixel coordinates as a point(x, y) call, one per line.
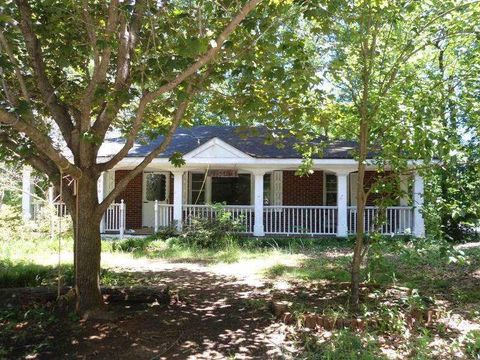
point(212, 233)
point(130, 245)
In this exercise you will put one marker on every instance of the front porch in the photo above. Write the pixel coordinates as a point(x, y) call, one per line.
point(262, 192)
point(262, 203)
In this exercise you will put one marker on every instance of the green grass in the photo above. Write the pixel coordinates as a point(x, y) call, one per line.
point(345, 345)
point(332, 269)
point(24, 274)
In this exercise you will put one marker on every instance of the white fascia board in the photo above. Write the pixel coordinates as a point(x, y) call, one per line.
point(335, 165)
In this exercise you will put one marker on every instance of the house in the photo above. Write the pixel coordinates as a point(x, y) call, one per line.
point(255, 181)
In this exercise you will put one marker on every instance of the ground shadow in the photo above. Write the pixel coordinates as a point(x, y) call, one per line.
point(216, 317)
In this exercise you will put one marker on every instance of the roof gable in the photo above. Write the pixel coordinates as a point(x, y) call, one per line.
point(216, 148)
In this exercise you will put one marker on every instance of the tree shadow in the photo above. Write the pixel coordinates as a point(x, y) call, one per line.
point(216, 317)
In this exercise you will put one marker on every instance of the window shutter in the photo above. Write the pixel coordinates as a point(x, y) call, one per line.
point(277, 187)
point(353, 189)
point(108, 182)
point(186, 176)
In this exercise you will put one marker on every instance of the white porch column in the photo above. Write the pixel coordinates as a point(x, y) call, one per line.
point(258, 229)
point(342, 199)
point(26, 192)
point(418, 222)
point(101, 196)
point(178, 197)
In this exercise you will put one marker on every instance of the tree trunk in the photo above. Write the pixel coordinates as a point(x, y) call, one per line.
point(88, 247)
point(357, 252)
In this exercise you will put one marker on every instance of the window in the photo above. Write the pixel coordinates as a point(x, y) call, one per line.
point(198, 189)
point(156, 187)
point(267, 189)
point(330, 190)
point(231, 190)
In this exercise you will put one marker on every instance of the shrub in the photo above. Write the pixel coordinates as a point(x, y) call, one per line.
point(165, 233)
point(212, 233)
point(130, 245)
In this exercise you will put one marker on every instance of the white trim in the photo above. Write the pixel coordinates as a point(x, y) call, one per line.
point(212, 144)
point(348, 165)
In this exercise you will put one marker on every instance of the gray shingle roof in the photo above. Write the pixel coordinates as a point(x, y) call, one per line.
point(188, 139)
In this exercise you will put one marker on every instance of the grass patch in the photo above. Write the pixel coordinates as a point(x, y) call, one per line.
point(23, 274)
point(331, 269)
point(345, 345)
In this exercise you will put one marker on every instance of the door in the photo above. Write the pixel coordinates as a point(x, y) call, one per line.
point(156, 186)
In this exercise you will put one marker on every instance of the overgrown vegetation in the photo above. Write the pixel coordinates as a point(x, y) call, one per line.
point(404, 277)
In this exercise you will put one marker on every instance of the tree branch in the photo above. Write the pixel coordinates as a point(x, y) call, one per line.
point(179, 113)
point(18, 74)
point(150, 96)
point(101, 62)
point(58, 109)
point(128, 40)
point(41, 141)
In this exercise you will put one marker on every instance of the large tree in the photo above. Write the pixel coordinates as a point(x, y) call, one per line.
point(72, 71)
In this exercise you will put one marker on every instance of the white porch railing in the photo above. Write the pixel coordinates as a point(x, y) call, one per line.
point(60, 209)
point(243, 214)
point(394, 220)
point(311, 220)
point(163, 215)
point(114, 218)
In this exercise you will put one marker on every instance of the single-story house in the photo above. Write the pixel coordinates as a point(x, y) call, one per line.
point(256, 183)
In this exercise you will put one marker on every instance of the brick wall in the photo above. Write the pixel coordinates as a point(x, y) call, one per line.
point(370, 178)
point(305, 190)
point(132, 195)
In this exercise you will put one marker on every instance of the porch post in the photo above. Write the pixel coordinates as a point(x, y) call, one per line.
point(177, 197)
point(101, 196)
point(258, 229)
point(342, 198)
point(418, 221)
point(26, 192)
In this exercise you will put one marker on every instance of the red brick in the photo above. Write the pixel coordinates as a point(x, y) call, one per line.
point(133, 198)
point(302, 190)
